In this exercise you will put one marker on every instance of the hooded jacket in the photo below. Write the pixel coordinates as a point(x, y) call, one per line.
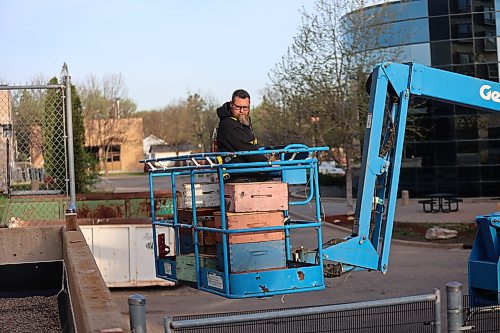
point(235, 136)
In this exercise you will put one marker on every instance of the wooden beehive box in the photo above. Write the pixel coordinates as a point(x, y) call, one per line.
point(204, 217)
point(207, 195)
point(249, 257)
point(186, 265)
point(251, 220)
point(255, 197)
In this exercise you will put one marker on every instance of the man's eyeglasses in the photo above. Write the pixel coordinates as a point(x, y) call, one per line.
point(240, 107)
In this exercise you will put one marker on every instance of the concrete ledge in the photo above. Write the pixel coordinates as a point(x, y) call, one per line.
point(93, 307)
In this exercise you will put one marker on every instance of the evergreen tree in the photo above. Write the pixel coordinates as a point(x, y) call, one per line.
point(86, 173)
point(53, 139)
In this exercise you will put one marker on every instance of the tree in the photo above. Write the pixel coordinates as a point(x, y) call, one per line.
point(320, 82)
point(86, 173)
point(53, 138)
point(204, 119)
point(105, 104)
point(189, 121)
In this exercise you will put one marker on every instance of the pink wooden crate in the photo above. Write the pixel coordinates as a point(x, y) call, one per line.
point(251, 220)
point(256, 197)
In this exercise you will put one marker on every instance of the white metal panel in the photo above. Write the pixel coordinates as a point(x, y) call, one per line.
point(87, 233)
point(112, 253)
point(124, 253)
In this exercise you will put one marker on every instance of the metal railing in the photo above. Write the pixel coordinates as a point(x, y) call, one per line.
point(419, 313)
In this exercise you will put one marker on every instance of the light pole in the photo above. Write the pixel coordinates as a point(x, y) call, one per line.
point(117, 101)
point(7, 134)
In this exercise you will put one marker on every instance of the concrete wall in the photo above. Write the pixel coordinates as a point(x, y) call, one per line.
point(93, 307)
point(30, 244)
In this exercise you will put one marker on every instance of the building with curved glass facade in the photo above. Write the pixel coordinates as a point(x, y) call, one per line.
point(454, 149)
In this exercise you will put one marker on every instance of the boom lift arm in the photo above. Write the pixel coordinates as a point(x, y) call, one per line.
point(391, 88)
point(267, 267)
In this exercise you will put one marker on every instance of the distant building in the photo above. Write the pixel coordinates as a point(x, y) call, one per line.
point(117, 143)
point(151, 140)
point(458, 152)
point(164, 151)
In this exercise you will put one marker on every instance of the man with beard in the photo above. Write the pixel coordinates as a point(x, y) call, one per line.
point(235, 133)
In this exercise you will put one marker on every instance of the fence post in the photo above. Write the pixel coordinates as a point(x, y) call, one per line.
point(454, 306)
point(166, 324)
point(71, 151)
point(437, 310)
point(137, 310)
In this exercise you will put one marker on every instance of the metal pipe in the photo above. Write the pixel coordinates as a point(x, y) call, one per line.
point(7, 146)
point(137, 310)
point(71, 151)
point(35, 86)
point(454, 307)
point(437, 311)
point(301, 312)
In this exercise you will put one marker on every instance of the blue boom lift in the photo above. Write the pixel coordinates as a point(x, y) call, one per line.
point(368, 247)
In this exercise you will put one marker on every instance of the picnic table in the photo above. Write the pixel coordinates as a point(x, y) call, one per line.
point(440, 202)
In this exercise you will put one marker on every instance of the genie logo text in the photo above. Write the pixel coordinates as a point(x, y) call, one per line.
point(489, 95)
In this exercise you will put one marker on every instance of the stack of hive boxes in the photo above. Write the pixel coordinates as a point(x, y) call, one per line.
point(253, 205)
point(207, 203)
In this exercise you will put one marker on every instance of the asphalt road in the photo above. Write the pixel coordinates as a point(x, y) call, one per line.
point(412, 271)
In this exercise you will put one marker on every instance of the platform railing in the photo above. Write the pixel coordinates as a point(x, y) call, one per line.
point(297, 159)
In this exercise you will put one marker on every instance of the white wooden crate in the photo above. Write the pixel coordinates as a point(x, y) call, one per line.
point(207, 195)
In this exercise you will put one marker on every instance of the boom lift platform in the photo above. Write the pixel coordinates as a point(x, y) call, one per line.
point(243, 270)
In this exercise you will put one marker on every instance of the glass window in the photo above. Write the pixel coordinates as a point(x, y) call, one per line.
point(439, 8)
point(445, 153)
point(406, 10)
point(462, 51)
point(439, 28)
point(485, 50)
point(469, 174)
point(481, 27)
point(459, 6)
point(494, 151)
point(461, 26)
point(477, 5)
point(444, 129)
point(497, 19)
point(466, 127)
point(487, 71)
point(441, 53)
point(404, 33)
point(465, 69)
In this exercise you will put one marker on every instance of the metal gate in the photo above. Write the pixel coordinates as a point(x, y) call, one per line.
point(34, 181)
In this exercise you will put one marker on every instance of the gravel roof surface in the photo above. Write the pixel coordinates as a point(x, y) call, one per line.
point(29, 314)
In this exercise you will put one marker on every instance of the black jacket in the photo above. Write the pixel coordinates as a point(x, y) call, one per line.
point(234, 136)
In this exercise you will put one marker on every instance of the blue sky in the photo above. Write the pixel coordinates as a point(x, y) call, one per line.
point(163, 49)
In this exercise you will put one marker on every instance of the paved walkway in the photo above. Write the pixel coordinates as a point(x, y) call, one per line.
point(468, 210)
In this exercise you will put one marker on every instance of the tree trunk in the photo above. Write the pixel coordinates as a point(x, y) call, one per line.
point(348, 184)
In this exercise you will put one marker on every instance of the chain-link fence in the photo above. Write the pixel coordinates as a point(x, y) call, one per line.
point(33, 154)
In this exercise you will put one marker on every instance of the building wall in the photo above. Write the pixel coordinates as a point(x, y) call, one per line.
point(127, 134)
point(457, 150)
